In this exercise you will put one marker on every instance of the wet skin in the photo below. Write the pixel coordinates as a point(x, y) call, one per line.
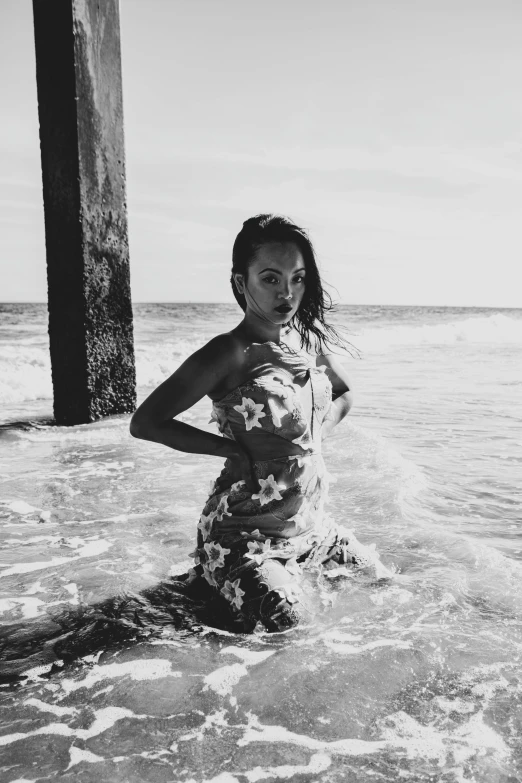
point(276, 276)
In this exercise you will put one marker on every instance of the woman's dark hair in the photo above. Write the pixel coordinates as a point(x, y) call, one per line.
point(310, 318)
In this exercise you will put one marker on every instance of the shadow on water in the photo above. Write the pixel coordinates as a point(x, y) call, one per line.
point(26, 425)
point(61, 637)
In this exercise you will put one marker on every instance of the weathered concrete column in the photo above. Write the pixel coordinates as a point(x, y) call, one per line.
point(78, 73)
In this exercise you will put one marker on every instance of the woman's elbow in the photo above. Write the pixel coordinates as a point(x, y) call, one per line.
point(345, 402)
point(138, 427)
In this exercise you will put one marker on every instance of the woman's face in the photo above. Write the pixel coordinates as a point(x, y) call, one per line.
point(275, 281)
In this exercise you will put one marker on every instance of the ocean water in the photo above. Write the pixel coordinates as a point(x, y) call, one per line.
point(415, 677)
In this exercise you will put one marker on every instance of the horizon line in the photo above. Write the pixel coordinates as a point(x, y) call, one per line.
point(340, 304)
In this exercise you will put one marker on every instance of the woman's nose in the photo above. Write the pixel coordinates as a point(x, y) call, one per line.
point(285, 292)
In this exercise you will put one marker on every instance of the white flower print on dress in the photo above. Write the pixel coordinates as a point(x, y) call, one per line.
point(222, 508)
point(277, 410)
point(301, 459)
point(258, 550)
point(251, 411)
point(255, 534)
point(195, 555)
point(269, 490)
point(210, 578)
point(299, 521)
point(205, 524)
point(217, 417)
point(235, 487)
point(290, 592)
point(275, 384)
point(215, 555)
point(233, 593)
point(304, 441)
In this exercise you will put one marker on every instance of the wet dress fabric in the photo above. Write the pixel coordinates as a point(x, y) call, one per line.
point(259, 533)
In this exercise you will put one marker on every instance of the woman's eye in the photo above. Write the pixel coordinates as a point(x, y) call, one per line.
point(271, 279)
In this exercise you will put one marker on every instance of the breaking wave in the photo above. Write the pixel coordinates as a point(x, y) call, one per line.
point(25, 369)
point(496, 329)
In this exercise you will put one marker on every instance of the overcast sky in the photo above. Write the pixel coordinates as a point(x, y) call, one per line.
point(391, 130)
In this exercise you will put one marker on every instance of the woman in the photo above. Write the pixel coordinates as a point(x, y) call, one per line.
point(264, 522)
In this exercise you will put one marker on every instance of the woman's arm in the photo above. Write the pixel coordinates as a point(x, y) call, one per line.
point(341, 392)
point(205, 370)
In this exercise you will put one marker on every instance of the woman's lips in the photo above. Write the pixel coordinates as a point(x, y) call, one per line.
point(284, 308)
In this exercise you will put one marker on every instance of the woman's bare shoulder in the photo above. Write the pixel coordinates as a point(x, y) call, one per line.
point(200, 374)
point(226, 347)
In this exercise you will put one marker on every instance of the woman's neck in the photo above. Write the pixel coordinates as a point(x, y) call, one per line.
point(260, 330)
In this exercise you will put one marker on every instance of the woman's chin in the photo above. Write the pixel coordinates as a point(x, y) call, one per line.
point(282, 318)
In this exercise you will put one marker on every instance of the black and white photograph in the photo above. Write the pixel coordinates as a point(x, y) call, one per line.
point(260, 391)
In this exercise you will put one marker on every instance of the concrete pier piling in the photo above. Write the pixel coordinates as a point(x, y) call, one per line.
point(78, 72)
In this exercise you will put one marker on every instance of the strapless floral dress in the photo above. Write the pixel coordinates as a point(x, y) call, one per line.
point(259, 533)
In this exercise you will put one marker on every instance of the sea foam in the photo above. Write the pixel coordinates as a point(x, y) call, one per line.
point(496, 328)
point(25, 370)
